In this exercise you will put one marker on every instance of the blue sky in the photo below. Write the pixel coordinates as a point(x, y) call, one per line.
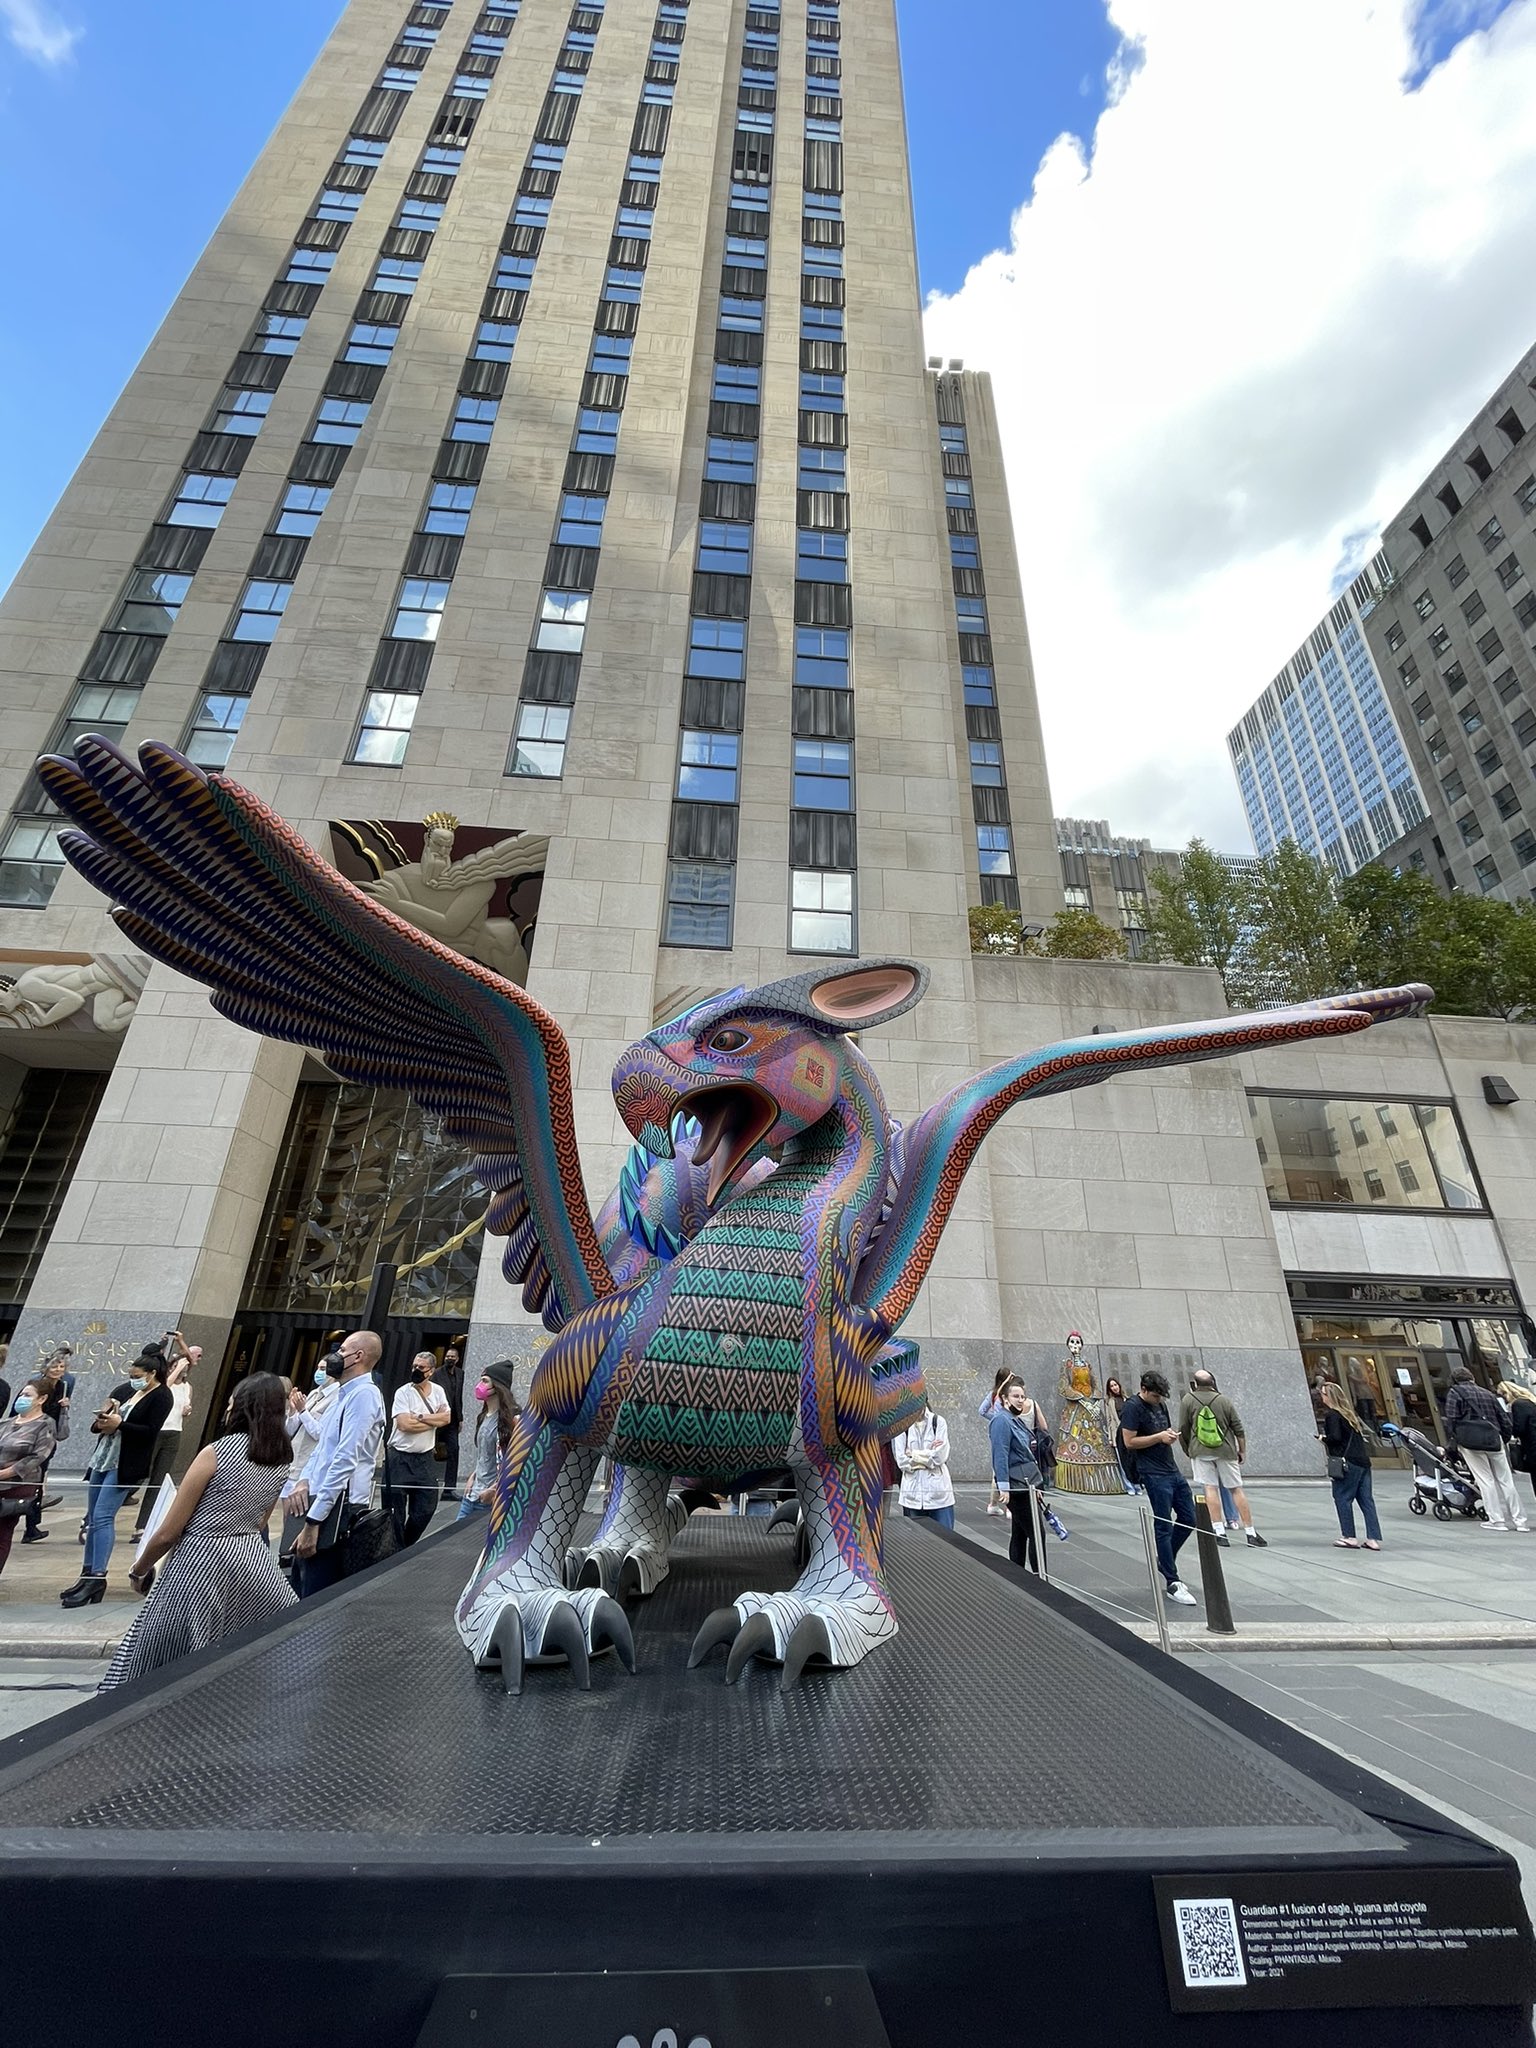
point(106, 229)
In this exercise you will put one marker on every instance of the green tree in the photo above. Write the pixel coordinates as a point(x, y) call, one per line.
point(1197, 915)
point(995, 929)
point(1486, 963)
point(1401, 923)
point(1079, 935)
point(1302, 939)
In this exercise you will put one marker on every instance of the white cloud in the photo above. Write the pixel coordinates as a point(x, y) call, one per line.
point(1228, 344)
point(38, 32)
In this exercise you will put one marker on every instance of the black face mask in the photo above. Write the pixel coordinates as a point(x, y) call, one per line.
point(417, 1377)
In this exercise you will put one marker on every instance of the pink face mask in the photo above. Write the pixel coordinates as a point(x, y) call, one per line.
point(482, 1390)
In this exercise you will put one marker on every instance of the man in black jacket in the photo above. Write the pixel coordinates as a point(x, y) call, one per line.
point(1480, 1429)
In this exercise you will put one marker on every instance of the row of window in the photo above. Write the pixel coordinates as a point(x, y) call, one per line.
point(1513, 431)
point(552, 671)
point(400, 667)
point(822, 840)
point(351, 390)
point(126, 651)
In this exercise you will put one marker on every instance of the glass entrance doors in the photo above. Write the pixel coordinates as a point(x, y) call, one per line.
point(1397, 1368)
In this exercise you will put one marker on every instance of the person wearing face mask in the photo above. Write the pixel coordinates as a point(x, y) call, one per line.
point(306, 1413)
point(334, 1492)
point(419, 1410)
point(499, 1410)
point(135, 1425)
point(26, 1445)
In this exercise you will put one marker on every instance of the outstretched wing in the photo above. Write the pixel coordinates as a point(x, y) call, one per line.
point(204, 876)
point(941, 1144)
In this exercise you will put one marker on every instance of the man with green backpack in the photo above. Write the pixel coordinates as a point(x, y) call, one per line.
point(1212, 1437)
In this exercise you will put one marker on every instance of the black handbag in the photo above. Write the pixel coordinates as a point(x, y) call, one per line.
point(1472, 1433)
point(1338, 1465)
point(370, 1538)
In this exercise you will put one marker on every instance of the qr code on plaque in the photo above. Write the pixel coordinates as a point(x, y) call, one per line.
point(1208, 1945)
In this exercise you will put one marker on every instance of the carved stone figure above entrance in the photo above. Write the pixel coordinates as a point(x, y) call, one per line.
point(483, 904)
point(97, 992)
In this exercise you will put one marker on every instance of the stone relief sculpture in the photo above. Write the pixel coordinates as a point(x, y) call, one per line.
point(735, 1305)
point(450, 898)
point(109, 986)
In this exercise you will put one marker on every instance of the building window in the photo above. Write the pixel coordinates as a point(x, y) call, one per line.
point(513, 274)
point(820, 912)
point(823, 469)
point(30, 862)
point(822, 557)
point(150, 602)
point(717, 648)
point(707, 771)
point(419, 610)
point(980, 688)
point(299, 513)
point(495, 341)
point(364, 151)
point(725, 549)
point(1424, 604)
point(474, 419)
point(698, 909)
point(215, 724)
point(1490, 535)
point(1312, 1152)
point(986, 764)
point(419, 216)
point(741, 316)
point(821, 657)
point(581, 522)
point(448, 508)
point(396, 274)
point(562, 621)
point(261, 611)
point(339, 421)
point(442, 163)
point(1474, 608)
point(241, 412)
point(994, 849)
point(1456, 572)
point(737, 383)
point(731, 462)
point(1487, 873)
point(624, 286)
point(309, 266)
point(821, 393)
point(278, 334)
point(370, 344)
point(610, 355)
point(538, 746)
point(597, 432)
point(200, 500)
point(1509, 572)
point(823, 779)
point(385, 731)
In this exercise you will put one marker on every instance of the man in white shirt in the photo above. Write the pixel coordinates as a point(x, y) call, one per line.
point(420, 1410)
point(341, 1464)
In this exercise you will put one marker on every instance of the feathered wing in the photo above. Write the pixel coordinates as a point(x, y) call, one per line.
point(940, 1146)
point(205, 877)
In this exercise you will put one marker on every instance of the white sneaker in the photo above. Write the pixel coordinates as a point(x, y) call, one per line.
point(1180, 1594)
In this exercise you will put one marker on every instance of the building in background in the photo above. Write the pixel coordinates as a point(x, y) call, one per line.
point(1454, 633)
point(1111, 876)
point(1319, 758)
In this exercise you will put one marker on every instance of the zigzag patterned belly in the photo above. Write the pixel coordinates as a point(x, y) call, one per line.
point(717, 1389)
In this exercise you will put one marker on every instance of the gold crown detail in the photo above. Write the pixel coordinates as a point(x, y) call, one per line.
point(440, 821)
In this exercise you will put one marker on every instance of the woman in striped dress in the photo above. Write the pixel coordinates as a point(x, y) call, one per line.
point(222, 1575)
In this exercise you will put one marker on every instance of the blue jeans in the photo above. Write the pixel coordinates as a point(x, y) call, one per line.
point(103, 1498)
point(468, 1509)
point(945, 1517)
point(1355, 1486)
point(1173, 1510)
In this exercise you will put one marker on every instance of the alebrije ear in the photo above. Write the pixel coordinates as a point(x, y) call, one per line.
point(867, 995)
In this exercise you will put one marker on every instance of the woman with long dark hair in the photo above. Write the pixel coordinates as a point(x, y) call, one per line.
point(222, 1575)
point(499, 1410)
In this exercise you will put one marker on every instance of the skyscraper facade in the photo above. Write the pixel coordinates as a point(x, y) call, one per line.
point(1454, 632)
point(538, 494)
point(1319, 757)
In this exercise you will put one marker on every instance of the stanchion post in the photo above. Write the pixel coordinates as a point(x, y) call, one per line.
point(1037, 1523)
point(1154, 1576)
point(1213, 1582)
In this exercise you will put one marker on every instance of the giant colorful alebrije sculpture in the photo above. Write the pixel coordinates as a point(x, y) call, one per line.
point(733, 1308)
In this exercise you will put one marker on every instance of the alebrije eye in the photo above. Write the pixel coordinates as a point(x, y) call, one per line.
point(729, 1040)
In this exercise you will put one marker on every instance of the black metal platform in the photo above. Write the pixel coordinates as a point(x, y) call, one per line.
point(322, 1822)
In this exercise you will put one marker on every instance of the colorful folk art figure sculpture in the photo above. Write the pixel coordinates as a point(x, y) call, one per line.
point(735, 1305)
point(1085, 1451)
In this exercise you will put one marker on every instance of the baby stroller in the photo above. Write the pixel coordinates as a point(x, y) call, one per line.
point(1442, 1485)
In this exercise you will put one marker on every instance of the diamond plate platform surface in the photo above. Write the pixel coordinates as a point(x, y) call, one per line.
point(991, 1721)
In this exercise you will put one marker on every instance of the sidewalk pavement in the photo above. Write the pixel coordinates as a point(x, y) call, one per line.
point(1432, 1585)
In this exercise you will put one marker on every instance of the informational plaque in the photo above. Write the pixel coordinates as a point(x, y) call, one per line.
point(661, 2009)
point(1277, 1940)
